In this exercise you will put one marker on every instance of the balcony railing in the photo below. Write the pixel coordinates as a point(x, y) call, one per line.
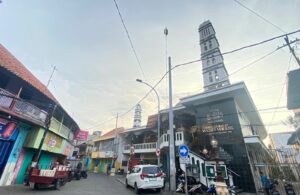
point(164, 139)
point(58, 127)
point(20, 107)
point(141, 148)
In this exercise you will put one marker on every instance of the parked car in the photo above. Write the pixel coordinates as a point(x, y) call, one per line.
point(145, 177)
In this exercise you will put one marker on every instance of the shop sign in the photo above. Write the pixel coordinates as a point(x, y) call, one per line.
point(68, 150)
point(210, 128)
point(53, 141)
point(81, 135)
point(7, 130)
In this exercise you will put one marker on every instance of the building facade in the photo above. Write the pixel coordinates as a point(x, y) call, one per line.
point(105, 152)
point(219, 124)
point(24, 110)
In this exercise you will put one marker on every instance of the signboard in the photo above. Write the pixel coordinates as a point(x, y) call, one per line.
point(293, 87)
point(183, 151)
point(7, 129)
point(184, 160)
point(82, 135)
point(157, 152)
point(52, 142)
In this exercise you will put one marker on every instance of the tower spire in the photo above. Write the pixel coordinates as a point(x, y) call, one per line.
point(137, 116)
point(214, 71)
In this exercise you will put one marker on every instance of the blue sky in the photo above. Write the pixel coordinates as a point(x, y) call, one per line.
point(96, 72)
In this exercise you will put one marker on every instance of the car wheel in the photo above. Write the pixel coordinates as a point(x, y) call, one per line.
point(36, 186)
point(158, 190)
point(136, 189)
point(126, 184)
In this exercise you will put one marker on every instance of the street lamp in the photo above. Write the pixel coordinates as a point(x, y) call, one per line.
point(158, 116)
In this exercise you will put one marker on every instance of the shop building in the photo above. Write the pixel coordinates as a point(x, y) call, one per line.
point(24, 109)
point(105, 152)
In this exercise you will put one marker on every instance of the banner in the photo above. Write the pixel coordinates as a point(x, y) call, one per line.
point(81, 135)
point(7, 130)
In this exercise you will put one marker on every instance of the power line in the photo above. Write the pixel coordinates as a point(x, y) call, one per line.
point(260, 16)
point(130, 41)
point(198, 60)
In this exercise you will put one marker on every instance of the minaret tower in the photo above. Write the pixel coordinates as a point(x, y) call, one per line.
point(213, 69)
point(137, 116)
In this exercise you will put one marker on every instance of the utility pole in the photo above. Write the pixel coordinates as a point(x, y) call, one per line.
point(166, 32)
point(54, 68)
point(52, 109)
point(172, 137)
point(116, 143)
point(291, 49)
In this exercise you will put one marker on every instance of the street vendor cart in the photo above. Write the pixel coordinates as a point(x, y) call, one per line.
point(56, 177)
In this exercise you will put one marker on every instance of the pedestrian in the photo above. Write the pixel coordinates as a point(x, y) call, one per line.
point(108, 169)
point(265, 183)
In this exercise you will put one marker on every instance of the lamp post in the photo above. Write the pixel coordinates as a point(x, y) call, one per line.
point(158, 117)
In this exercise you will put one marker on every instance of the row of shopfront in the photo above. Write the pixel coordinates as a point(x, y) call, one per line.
point(18, 145)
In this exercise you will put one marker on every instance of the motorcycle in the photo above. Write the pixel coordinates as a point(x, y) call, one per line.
point(84, 174)
point(273, 189)
point(231, 190)
point(196, 189)
point(193, 187)
point(181, 183)
point(212, 189)
point(289, 189)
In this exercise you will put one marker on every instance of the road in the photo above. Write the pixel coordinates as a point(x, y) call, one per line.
point(95, 184)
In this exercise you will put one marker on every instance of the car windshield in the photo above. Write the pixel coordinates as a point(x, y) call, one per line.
point(151, 170)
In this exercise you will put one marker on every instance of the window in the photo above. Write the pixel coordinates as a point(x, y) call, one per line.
point(210, 44)
point(210, 77)
point(213, 60)
point(205, 47)
point(151, 170)
point(216, 75)
point(207, 62)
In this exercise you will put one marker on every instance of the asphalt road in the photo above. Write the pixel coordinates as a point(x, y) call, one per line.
point(97, 184)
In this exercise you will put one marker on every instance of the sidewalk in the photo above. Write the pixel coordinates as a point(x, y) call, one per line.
point(121, 179)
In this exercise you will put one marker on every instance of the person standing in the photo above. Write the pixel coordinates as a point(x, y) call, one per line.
point(265, 183)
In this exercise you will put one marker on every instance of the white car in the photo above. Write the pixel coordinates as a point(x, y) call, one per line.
point(145, 177)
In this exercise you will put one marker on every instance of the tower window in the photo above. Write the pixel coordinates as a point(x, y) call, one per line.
point(205, 47)
point(213, 60)
point(210, 44)
point(210, 77)
point(207, 62)
point(216, 75)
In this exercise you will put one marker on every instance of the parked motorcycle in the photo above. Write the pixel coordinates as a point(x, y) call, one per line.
point(289, 189)
point(181, 183)
point(84, 174)
point(212, 189)
point(232, 190)
point(196, 189)
point(273, 188)
point(193, 187)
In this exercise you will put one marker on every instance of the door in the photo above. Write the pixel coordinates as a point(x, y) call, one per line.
point(131, 179)
point(5, 149)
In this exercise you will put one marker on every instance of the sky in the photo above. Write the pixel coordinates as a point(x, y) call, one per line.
point(97, 69)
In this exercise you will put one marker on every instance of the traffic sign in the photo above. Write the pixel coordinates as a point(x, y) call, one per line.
point(157, 151)
point(184, 160)
point(183, 151)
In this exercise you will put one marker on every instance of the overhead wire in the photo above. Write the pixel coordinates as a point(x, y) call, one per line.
point(129, 38)
point(260, 16)
point(221, 54)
